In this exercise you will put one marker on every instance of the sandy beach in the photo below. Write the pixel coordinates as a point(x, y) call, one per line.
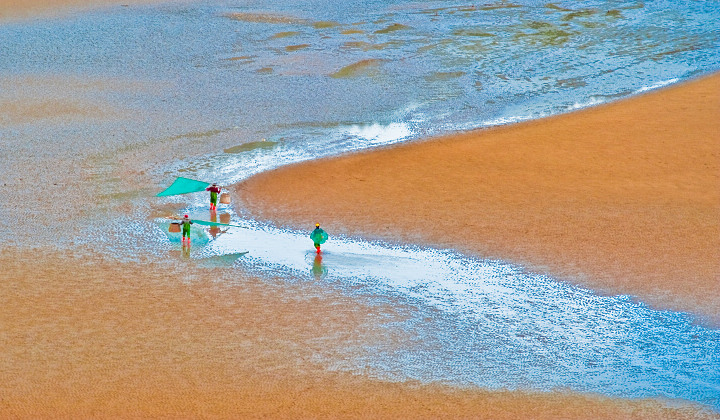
point(622, 198)
point(87, 337)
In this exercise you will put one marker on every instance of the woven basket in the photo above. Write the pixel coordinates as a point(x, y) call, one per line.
point(174, 227)
point(224, 198)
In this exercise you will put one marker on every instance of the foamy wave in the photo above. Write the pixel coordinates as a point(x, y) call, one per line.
point(657, 85)
point(380, 134)
point(580, 105)
point(507, 120)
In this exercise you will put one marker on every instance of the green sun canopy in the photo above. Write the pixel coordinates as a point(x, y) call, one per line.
point(184, 186)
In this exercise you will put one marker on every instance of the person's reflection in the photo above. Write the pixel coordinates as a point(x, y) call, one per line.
point(319, 269)
point(185, 251)
point(214, 231)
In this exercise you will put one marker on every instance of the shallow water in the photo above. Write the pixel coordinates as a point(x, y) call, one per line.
point(219, 91)
point(479, 322)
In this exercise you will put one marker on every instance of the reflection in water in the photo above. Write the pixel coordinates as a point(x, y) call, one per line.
point(491, 324)
point(185, 250)
point(225, 218)
point(215, 231)
point(319, 270)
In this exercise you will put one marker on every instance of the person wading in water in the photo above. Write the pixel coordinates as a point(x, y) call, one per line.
point(214, 191)
point(318, 237)
point(185, 224)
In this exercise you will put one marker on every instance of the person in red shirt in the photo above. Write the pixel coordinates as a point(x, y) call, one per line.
point(214, 190)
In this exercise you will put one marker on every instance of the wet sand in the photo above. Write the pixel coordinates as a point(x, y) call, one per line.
point(623, 198)
point(25, 9)
point(87, 337)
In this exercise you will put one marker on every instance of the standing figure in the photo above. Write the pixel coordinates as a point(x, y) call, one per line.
point(214, 190)
point(318, 237)
point(185, 223)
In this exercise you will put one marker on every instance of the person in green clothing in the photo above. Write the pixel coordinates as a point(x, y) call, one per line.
point(318, 237)
point(214, 190)
point(185, 223)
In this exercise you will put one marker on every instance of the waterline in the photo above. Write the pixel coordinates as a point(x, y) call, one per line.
point(491, 324)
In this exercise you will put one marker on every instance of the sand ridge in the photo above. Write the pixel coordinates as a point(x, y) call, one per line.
point(622, 198)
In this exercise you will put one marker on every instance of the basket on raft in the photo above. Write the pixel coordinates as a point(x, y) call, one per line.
point(174, 227)
point(224, 198)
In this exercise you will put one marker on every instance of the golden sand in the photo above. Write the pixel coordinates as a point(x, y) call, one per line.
point(84, 336)
point(623, 198)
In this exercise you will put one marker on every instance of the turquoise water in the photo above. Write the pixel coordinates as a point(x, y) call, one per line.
point(244, 87)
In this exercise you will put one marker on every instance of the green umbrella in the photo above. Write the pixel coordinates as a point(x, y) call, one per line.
point(184, 186)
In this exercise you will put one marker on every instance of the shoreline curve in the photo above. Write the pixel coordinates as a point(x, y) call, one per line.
point(623, 198)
